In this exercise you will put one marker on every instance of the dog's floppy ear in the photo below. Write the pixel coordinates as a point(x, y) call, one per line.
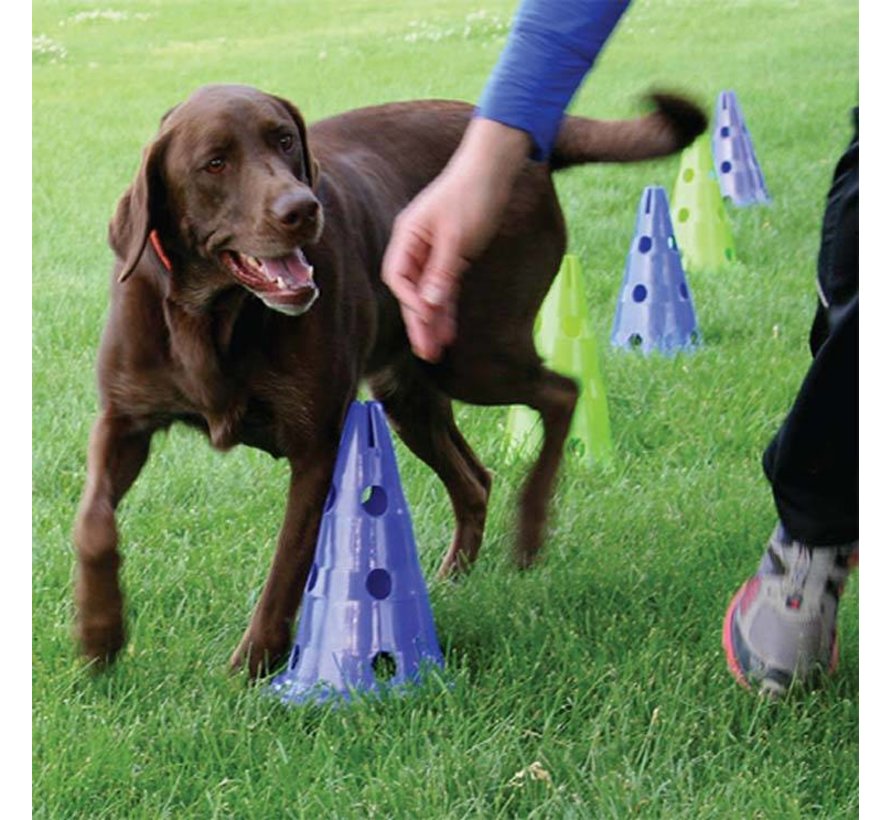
point(313, 169)
point(132, 221)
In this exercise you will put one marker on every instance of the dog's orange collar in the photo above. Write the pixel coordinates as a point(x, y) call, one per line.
point(159, 250)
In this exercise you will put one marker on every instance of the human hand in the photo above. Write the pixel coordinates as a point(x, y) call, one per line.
point(445, 227)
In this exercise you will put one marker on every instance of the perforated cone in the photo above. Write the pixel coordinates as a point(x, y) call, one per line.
point(655, 309)
point(699, 215)
point(738, 171)
point(366, 619)
point(565, 341)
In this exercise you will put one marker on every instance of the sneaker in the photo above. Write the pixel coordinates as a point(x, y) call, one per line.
point(781, 625)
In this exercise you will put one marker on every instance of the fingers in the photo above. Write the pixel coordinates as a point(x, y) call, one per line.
point(422, 335)
point(422, 268)
point(403, 264)
point(430, 337)
point(440, 279)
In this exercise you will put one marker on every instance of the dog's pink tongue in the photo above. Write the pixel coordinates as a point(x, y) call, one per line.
point(294, 270)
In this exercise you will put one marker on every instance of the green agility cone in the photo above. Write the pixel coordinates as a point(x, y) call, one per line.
point(700, 221)
point(566, 343)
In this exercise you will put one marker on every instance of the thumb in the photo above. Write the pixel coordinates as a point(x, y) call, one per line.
point(441, 275)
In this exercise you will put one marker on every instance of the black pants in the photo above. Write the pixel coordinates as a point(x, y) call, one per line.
point(813, 461)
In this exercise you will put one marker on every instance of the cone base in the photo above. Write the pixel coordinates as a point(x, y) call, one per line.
point(288, 689)
point(666, 347)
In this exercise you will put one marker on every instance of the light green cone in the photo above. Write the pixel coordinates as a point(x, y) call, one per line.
point(701, 224)
point(566, 343)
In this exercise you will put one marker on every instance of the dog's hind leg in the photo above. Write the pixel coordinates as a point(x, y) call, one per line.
point(118, 450)
point(520, 379)
point(554, 397)
point(423, 418)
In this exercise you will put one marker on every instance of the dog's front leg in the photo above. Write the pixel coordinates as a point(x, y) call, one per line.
point(268, 637)
point(117, 452)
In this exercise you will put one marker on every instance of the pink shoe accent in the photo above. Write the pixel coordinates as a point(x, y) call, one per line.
point(731, 659)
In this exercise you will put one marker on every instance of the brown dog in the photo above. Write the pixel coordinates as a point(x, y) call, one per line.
point(247, 302)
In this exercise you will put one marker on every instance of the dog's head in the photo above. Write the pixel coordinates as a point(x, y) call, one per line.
point(225, 191)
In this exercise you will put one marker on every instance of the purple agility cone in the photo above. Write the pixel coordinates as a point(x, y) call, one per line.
point(366, 622)
point(735, 162)
point(655, 310)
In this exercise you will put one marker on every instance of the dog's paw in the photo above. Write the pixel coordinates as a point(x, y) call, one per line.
point(259, 655)
point(100, 637)
point(99, 625)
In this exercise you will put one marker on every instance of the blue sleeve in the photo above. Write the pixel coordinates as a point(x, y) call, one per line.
point(551, 47)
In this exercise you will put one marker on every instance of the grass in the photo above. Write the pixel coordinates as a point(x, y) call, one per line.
point(600, 671)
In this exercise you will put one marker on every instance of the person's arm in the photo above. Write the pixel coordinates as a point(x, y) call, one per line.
point(446, 226)
point(551, 47)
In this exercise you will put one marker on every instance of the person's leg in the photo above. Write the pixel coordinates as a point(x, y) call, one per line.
point(812, 462)
point(781, 623)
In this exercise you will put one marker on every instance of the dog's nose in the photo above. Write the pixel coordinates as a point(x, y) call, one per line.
point(295, 208)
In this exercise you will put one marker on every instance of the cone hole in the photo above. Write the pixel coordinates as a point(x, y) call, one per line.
point(672, 242)
point(725, 166)
point(312, 579)
point(648, 207)
point(639, 293)
point(724, 131)
point(372, 442)
point(384, 667)
point(635, 340)
point(688, 175)
point(374, 500)
point(331, 499)
point(576, 447)
point(294, 657)
point(379, 584)
point(683, 215)
point(684, 291)
point(571, 326)
point(645, 244)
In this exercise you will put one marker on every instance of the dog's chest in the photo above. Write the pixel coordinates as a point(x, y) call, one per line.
point(245, 419)
point(262, 388)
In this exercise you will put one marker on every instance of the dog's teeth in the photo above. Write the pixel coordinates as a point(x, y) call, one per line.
point(280, 282)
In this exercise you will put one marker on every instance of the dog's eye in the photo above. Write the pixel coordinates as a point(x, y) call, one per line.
point(286, 141)
point(216, 165)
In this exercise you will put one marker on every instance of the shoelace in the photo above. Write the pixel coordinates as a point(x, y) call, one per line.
point(799, 570)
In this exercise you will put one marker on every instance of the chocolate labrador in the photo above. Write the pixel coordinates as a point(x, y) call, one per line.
point(246, 301)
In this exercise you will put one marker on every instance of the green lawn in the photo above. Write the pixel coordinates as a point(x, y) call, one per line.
point(602, 666)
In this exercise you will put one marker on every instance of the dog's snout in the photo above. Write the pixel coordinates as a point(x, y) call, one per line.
point(295, 208)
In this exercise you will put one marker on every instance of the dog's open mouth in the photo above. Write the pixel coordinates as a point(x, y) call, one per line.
point(285, 284)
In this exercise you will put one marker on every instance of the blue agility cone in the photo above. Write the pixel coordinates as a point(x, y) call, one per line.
point(738, 171)
point(366, 622)
point(655, 309)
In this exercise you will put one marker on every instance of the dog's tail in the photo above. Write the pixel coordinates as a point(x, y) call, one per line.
point(673, 124)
